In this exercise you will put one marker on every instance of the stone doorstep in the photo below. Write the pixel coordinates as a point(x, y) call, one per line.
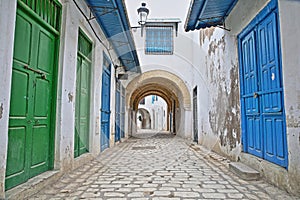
point(243, 171)
point(33, 185)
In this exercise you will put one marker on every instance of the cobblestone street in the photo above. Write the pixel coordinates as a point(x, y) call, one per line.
point(159, 167)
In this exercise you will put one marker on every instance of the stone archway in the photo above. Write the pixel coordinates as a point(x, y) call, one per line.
point(172, 89)
point(145, 118)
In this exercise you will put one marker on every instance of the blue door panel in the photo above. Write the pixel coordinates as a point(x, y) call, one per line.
point(249, 73)
point(262, 92)
point(275, 140)
point(123, 113)
point(105, 106)
point(269, 65)
point(118, 117)
point(254, 137)
point(279, 137)
point(269, 139)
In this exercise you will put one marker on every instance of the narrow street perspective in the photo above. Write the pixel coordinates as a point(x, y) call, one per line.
point(149, 99)
point(157, 166)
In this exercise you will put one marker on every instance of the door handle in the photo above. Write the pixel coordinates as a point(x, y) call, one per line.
point(43, 75)
point(255, 94)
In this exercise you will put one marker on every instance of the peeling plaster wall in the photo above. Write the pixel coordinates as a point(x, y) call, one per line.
point(222, 131)
point(219, 100)
point(219, 93)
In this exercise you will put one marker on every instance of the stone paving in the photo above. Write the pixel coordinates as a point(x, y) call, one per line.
point(162, 167)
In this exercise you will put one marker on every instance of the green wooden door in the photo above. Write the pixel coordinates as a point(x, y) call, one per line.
point(30, 136)
point(82, 96)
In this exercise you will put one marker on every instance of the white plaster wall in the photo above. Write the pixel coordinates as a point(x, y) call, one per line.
point(290, 47)
point(181, 62)
point(7, 25)
point(72, 20)
point(159, 122)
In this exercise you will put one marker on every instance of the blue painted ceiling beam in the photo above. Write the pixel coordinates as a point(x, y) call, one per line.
point(207, 13)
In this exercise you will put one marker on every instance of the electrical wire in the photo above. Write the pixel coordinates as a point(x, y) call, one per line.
point(95, 33)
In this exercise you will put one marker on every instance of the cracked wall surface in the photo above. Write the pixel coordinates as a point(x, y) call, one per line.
point(222, 76)
point(219, 102)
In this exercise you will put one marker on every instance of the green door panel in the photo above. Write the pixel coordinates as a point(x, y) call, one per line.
point(19, 94)
point(42, 95)
point(45, 57)
point(40, 150)
point(81, 137)
point(16, 152)
point(30, 134)
point(23, 36)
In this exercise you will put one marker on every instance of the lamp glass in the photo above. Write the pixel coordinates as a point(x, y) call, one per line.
point(143, 14)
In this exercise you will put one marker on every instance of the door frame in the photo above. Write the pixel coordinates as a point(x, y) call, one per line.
point(118, 112)
point(195, 115)
point(271, 7)
point(25, 9)
point(106, 70)
point(89, 60)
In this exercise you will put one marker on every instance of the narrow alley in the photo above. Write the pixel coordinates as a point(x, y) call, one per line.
point(157, 166)
point(149, 99)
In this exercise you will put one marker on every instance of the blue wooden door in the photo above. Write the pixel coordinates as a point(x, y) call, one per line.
point(250, 98)
point(271, 95)
point(105, 106)
point(262, 93)
point(123, 113)
point(118, 116)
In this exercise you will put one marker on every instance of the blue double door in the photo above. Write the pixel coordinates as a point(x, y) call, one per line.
point(263, 118)
point(105, 105)
point(120, 112)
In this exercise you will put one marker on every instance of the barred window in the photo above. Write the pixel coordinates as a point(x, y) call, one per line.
point(159, 40)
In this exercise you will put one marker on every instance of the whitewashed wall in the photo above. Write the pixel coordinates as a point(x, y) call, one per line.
point(72, 21)
point(7, 21)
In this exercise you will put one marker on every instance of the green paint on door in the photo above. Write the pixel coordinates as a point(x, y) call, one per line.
point(30, 136)
point(82, 95)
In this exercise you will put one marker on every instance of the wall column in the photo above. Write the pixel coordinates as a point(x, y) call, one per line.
point(8, 11)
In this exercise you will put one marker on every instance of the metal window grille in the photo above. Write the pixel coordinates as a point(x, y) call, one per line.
point(159, 40)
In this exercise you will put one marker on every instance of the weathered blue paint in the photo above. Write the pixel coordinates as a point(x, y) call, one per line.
point(111, 16)
point(207, 13)
point(105, 104)
point(123, 113)
point(263, 115)
point(118, 115)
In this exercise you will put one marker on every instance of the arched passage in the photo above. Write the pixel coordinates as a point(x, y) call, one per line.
point(168, 86)
point(143, 119)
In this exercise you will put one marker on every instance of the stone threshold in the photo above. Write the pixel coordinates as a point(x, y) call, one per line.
point(243, 171)
point(33, 185)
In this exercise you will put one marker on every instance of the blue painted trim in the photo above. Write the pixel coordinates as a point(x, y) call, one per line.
point(232, 6)
point(116, 23)
point(282, 85)
point(243, 114)
point(212, 12)
point(110, 63)
point(262, 15)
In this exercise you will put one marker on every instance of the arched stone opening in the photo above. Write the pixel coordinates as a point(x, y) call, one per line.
point(143, 119)
point(172, 89)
